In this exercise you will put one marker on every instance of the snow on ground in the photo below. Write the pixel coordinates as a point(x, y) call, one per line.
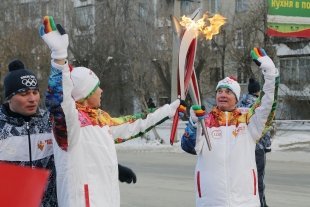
point(291, 142)
point(143, 144)
point(292, 136)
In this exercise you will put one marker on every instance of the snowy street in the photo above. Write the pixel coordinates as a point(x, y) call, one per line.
point(165, 179)
point(165, 174)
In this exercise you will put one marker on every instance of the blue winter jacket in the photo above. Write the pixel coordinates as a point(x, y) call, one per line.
point(264, 143)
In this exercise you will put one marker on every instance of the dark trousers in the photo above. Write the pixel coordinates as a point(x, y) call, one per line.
point(260, 164)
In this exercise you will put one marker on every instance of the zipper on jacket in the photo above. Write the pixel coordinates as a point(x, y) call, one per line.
point(29, 143)
point(227, 140)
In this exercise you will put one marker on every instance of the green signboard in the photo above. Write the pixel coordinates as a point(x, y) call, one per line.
point(289, 18)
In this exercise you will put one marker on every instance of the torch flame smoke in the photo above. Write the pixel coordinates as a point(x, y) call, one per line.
point(207, 26)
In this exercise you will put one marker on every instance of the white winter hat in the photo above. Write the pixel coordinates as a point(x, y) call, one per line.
point(232, 84)
point(85, 82)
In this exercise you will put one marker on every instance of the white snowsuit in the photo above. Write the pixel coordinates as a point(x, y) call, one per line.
point(87, 173)
point(226, 176)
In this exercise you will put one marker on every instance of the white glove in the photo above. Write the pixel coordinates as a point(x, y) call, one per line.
point(193, 118)
point(55, 37)
point(260, 57)
point(174, 106)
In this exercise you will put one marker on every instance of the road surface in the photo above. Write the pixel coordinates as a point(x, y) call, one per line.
point(165, 179)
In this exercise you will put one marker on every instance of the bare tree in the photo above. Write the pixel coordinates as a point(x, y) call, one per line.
point(120, 44)
point(20, 39)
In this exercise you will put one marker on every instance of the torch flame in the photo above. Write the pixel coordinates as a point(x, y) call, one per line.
point(207, 26)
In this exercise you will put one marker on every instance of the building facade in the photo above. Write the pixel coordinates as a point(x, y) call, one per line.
point(129, 45)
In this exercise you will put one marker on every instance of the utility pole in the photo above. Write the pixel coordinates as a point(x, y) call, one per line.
point(175, 53)
point(223, 54)
point(266, 37)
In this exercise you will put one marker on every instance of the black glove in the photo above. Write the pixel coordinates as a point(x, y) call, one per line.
point(125, 174)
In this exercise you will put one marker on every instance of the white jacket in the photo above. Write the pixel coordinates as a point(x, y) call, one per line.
point(226, 176)
point(87, 173)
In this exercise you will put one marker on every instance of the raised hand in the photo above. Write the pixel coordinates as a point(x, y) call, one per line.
point(55, 37)
point(261, 59)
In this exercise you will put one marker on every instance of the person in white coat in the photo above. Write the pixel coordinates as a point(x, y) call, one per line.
point(85, 157)
point(226, 175)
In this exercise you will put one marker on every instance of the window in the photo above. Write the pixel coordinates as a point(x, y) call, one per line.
point(215, 75)
point(214, 43)
point(242, 75)
point(295, 72)
point(125, 75)
point(81, 3)
point(304, 70)
point(23, 11)
point(185, 7)
point(162, 43)
point(239, 39)
point(85, 44)
point(288, 66)
point(9, 16)
point(214, 6)
point(26, 1)
point(142, 11)
point(241, 5)
point(85, 16)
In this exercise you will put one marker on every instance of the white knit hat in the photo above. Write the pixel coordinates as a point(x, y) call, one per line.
point(85, 82)
point(231, 84)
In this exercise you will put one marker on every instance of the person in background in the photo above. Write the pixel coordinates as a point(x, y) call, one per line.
point(151, 104)
point(85, 153)
point(226, 175)
point(25, 130)
point(264, 144)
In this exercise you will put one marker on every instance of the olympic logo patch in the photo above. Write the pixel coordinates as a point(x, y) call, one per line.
point(29, 80)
